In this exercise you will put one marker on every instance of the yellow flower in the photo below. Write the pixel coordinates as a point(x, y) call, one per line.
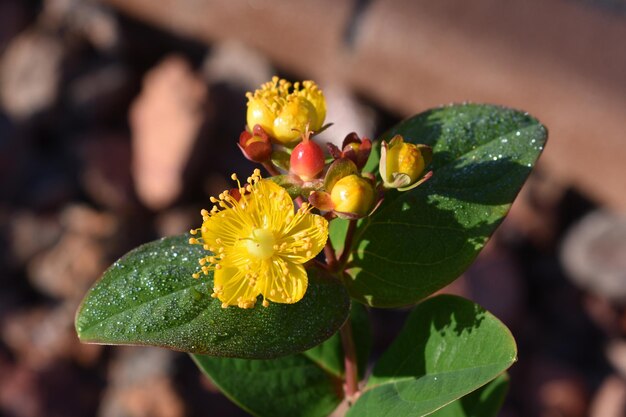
point(259, 244)
point(284, 112)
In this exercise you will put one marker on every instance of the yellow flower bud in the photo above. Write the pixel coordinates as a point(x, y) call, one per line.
point(260, 114)
point(292, 120)
point(284, 110)
point(314, 95)
point(405, 158)
point(402, 164)
point(353, 194)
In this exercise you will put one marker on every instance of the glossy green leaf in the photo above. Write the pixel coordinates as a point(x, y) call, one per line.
point(329, 355)
point(448, 348)
point(283, 387)
point(484, 402)
point(423, 239)
point(148, 297)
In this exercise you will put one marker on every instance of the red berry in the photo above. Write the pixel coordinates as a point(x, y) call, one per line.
point(307, 160)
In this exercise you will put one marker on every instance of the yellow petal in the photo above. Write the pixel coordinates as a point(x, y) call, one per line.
point(304, 239)
point(233, 288)
point(286, 282)
point(227, 226)
point(270, 206)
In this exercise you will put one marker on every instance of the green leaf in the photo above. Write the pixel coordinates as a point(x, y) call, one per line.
point(148, 297)
point(306, 384)
point(329, 355)
point(289, 386)
point(337, 229)
point(484, 402)
point(421, 240)
point(448, 348)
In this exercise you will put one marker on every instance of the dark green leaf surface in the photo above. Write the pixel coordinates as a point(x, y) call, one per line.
point(484, 402)
point(306, 384)
point(329, 355)
point(148, 297)
point(448, 348)
point(284, 387)
point(423, 239)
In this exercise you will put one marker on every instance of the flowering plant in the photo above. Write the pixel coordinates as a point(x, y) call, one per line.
point(270, 295)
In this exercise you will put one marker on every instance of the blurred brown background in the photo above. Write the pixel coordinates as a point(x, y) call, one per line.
point(119, 117)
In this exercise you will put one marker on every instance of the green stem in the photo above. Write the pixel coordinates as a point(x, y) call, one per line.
point(350, 363)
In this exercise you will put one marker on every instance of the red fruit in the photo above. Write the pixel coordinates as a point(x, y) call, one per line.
point(307, 159)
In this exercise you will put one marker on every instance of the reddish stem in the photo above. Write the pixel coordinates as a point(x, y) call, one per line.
point(320, 265)
point(271, 168)
point(331, 258)
point(350, 361)
point(347, 246)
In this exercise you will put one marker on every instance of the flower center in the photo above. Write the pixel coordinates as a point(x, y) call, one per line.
point(261, 243)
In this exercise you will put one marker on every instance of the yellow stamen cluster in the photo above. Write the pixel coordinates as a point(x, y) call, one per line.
point(258, 244)
point(284, 110)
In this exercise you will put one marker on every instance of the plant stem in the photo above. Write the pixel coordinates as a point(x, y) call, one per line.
point(350, 364)
point(320, 265)
point(331, 258)
point(271, 168)
point(348, 243)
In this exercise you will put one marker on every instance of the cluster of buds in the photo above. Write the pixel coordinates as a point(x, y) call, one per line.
point(282, 119)
point(284, 110)
point(346, 191)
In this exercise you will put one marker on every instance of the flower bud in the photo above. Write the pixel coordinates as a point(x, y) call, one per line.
point(353, 148)
point(293, 119)
point(256, 146)
point(283, 110)
point(353, 195)
point(402, 164)
point(307, 159)
point(260, 114)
